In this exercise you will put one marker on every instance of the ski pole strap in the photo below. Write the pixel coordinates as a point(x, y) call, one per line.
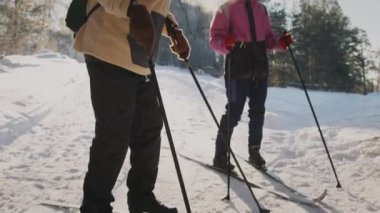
point(251, 19)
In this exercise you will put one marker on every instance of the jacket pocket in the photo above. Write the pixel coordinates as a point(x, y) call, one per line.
point(138, 53)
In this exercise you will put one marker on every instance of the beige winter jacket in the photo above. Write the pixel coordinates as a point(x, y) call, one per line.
point(105, 34)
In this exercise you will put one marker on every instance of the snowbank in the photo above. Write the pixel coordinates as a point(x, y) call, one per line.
point(46, 127)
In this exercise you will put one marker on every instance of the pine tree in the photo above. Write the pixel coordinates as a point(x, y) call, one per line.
point(327, 46)
point(280, 65)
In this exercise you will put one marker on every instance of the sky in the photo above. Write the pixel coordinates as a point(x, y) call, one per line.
point(362, 13)
point(47, 125)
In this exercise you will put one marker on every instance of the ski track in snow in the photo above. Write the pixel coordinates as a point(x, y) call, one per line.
point(46, 128)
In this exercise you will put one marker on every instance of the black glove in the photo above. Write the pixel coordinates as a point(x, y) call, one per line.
point(141, 26)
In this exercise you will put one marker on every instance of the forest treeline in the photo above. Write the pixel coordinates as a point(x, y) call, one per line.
point(332, 54)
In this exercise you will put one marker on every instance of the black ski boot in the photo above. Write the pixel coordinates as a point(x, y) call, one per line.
point(149, 205)
point(222, 164)
point(255, 158)
point(93, 206)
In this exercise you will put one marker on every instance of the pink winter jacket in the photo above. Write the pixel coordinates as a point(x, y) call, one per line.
point(232, 18)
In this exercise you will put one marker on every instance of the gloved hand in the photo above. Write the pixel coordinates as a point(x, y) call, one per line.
point(141, 26)
point(286, 40)
point(229, 42)
point(180, 46)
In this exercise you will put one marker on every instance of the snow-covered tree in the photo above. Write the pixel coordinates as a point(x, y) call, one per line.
point(24, 25)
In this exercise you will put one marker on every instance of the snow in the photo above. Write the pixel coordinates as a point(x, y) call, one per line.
point(46, 127)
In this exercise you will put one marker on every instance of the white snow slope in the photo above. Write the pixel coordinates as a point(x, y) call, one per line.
point(46, 127)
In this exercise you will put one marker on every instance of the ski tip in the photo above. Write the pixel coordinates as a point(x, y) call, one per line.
point(321, 196)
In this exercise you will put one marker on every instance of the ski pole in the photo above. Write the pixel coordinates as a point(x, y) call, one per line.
point(228, 136)
point(315, 117)
point(262, 210)
point(168, 133)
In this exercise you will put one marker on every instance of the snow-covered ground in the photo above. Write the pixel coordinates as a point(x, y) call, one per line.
point(46, 127)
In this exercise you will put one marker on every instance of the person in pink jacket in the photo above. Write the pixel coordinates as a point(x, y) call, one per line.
point(241, 29)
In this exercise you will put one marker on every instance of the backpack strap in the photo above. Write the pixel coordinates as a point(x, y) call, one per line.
point(251, 18)
point(97, 5)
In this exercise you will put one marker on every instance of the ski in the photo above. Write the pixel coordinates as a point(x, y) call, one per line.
point(272, 177)
point(56, 205)
point(295, 198)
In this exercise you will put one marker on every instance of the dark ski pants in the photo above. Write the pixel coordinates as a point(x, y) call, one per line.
point(239, 91)
point(127, 115)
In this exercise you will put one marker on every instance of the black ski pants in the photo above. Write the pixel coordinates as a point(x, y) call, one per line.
point(127, 114)
point(237, 92)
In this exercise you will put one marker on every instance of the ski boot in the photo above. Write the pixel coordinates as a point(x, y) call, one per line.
point(222, 164)
point(255, 159)
point(149, 205)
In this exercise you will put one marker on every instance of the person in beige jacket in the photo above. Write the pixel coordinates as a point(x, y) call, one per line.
point(117, 41)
